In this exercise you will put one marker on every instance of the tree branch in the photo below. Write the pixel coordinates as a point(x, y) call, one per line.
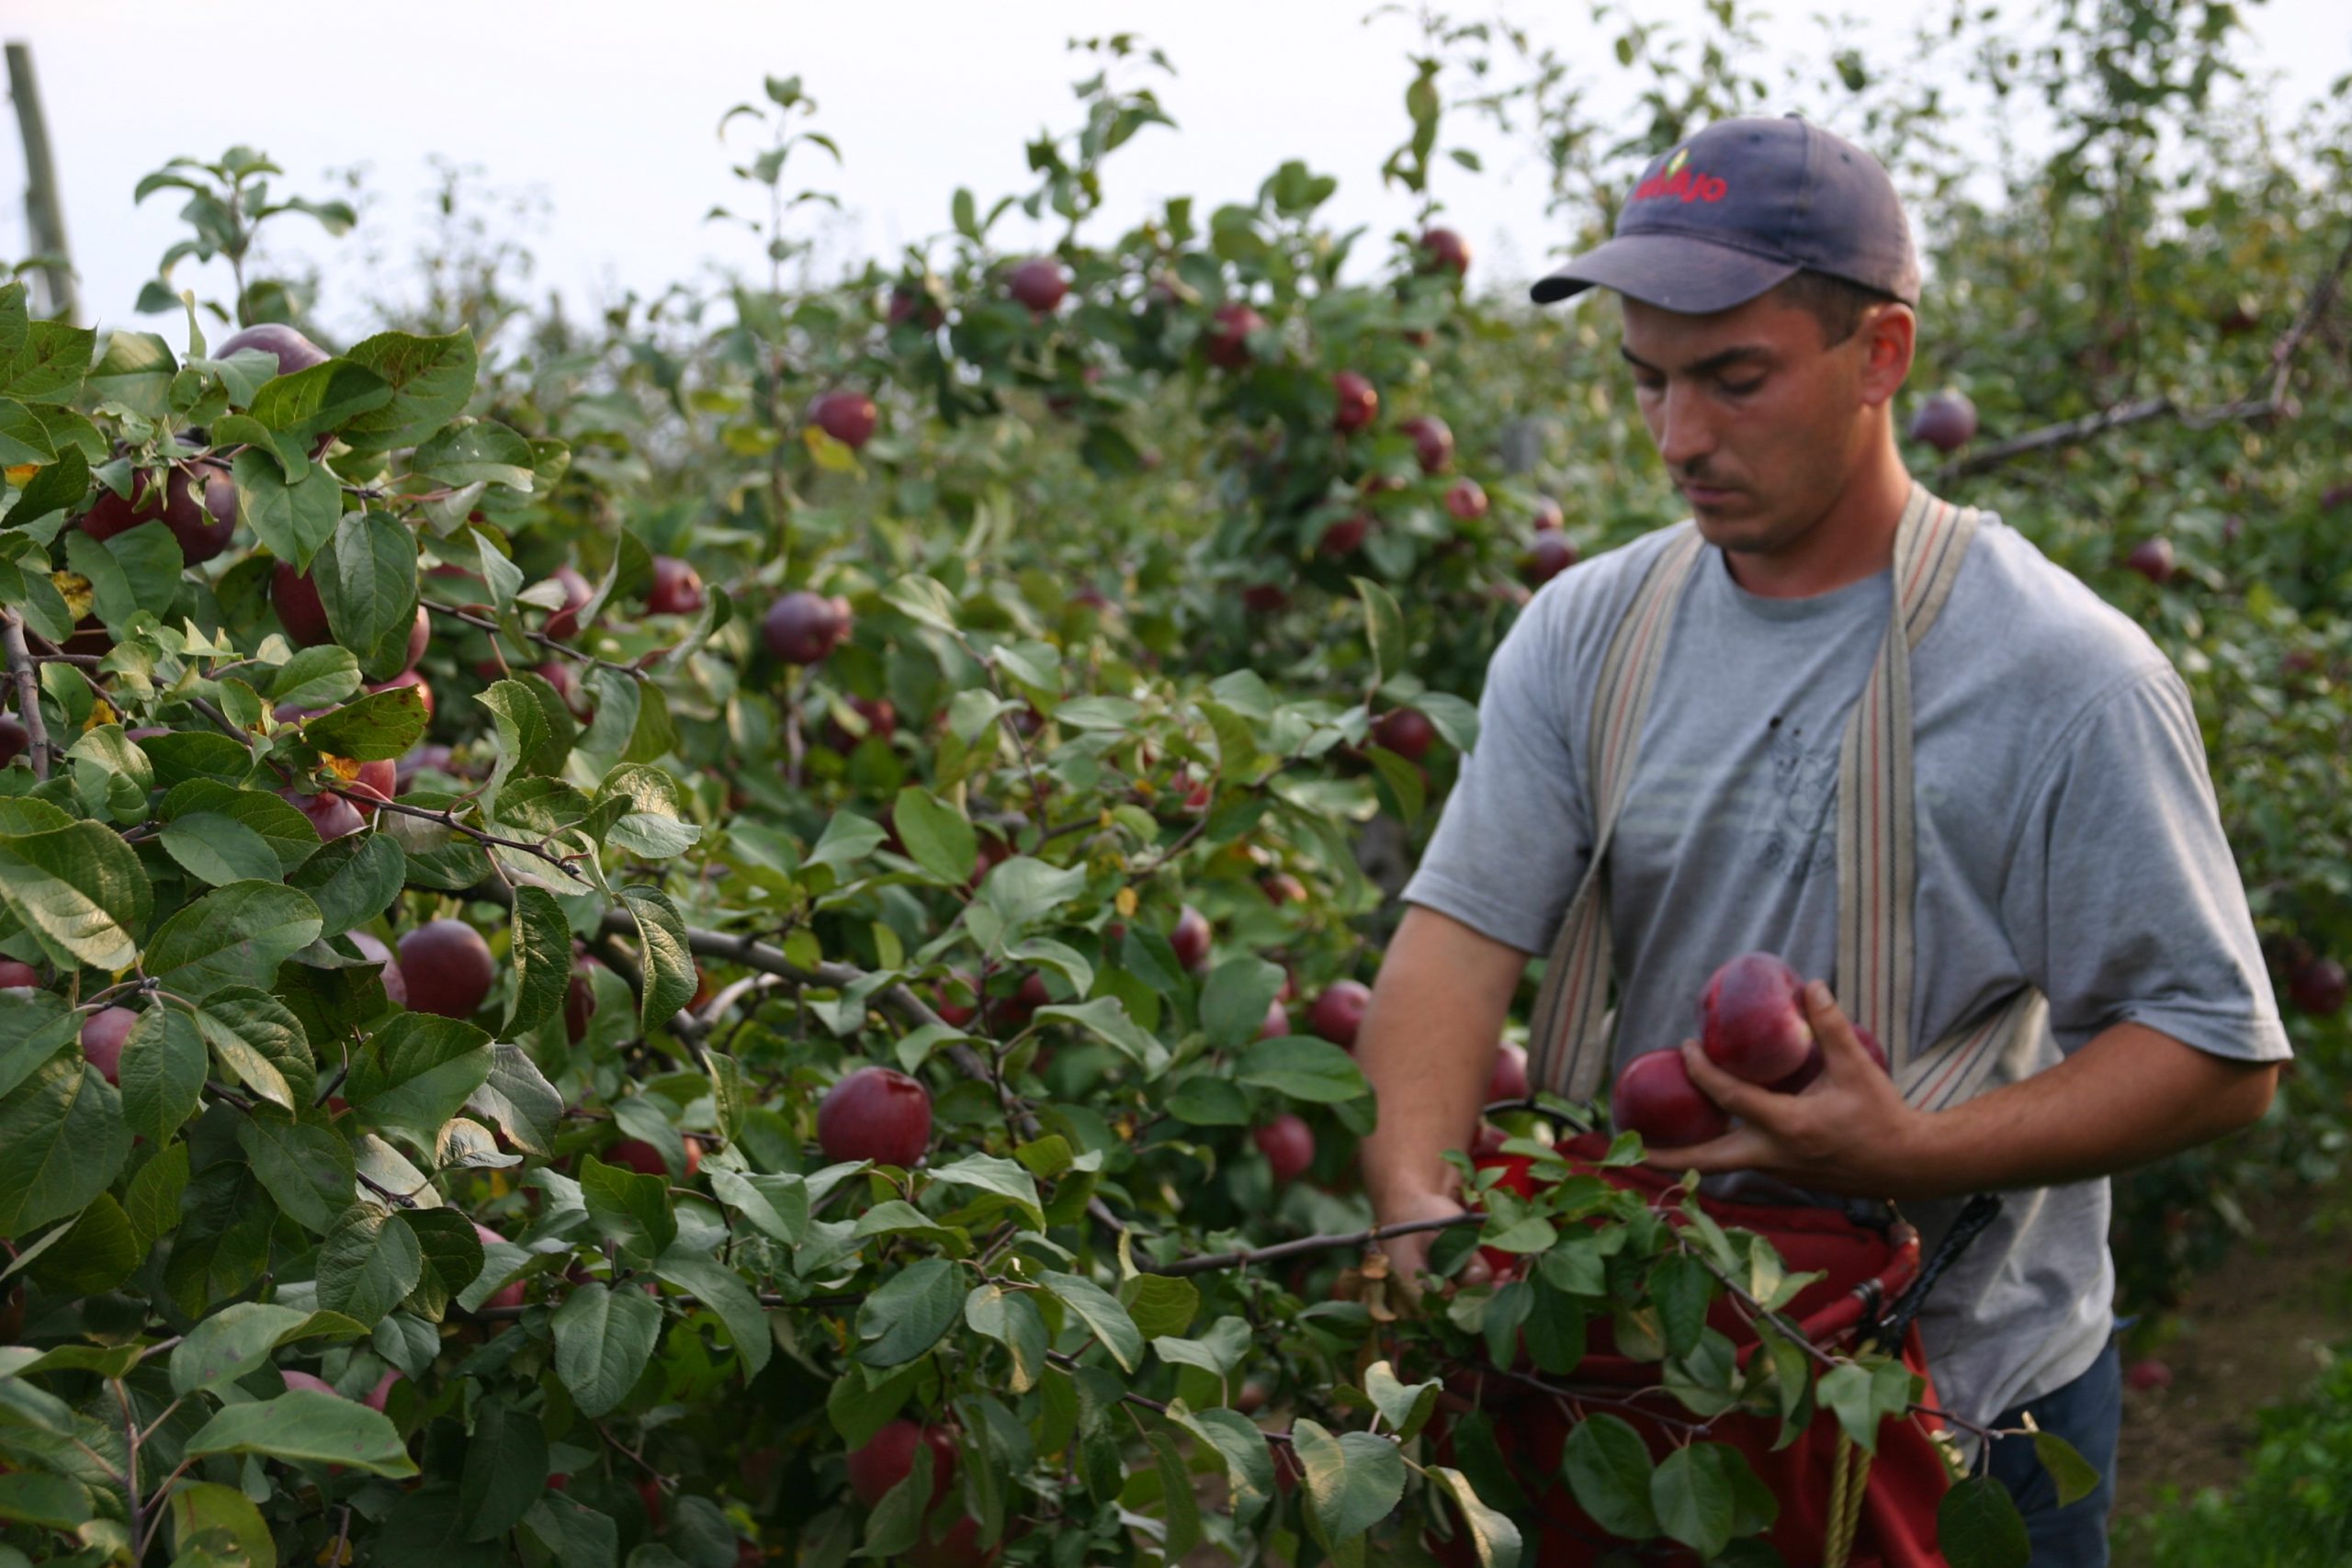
point(20, 666)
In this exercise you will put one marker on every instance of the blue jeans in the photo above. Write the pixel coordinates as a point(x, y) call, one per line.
point(2087, 1413)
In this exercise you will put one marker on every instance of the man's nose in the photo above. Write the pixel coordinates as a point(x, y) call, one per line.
point(1684, 436)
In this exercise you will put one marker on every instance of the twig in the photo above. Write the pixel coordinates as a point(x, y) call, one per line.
point(1210, 1261)
point(20, 665)
point(542, 638)
point(2271, 404)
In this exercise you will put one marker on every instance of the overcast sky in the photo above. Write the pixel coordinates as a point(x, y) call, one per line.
point(604, 115)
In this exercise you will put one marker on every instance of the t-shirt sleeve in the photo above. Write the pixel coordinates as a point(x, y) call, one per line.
point(2122, 900)
point(1515, 835)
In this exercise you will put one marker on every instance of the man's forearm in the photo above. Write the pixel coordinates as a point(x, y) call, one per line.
point(2130, 1096)
point(1428, 1046)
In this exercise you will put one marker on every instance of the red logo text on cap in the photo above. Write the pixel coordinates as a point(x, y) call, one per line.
point(1677, 179)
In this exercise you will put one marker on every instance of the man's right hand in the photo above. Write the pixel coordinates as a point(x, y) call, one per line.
point(1408, 1256)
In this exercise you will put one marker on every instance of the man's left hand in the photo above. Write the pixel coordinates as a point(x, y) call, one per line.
point(1849, 1132)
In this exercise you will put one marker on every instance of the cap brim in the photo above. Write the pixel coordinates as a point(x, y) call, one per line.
point(1674, 272)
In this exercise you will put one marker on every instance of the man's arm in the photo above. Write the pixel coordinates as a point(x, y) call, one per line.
point(2131, 1095)
point(1428, 1045)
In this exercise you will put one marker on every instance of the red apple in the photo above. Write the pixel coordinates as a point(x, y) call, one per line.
point(1337, 1013)
point(15, 975)
point(2151, 558)
point(2148, 1376)
point(1548, 517)
point(1405, 731)
point(1228, 339)
point(331, 815)
point(1288, 1145)
point(888, 1457)
point(881, 720)
point(377, 781)
point(1277, 1022)
point(296, 599)
point(291, 350)
point(847, 417)
point(1433, 442)
point(677, 588)
point(803, 627)
point(563, 624)
point(579, 1005)
point(1752, 1019)
point(1946, 421)
point(1342, 537)
point(1509, 1080)
point(1487, 1145)
point(959, 1546)
point(1549, 556)
point(1444, 248)
point(1191, 939)
point(1039, 283)
point(395, 986)
point(2318, 987)
point(954, 1012)
point(646, 1160)
point(1466, 500)
point(1282, 887)
point(1358, 401)
point(1656, 1098)
point(377, 1397)
point(102, 1033)
point(448, 967)
point(1265, 598)
point(874, 1113)
point(311, 1380)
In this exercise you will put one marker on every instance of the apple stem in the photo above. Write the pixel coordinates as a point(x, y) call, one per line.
point(20, 665)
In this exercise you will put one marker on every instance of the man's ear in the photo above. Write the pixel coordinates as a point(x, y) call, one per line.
point(1888, 337)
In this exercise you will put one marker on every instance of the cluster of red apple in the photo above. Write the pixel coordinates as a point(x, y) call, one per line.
point(1752, 1024)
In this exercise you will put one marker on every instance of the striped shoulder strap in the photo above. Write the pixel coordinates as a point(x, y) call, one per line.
point(1567, 1040)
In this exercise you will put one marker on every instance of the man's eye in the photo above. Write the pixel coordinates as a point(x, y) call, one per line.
point(1741, 389)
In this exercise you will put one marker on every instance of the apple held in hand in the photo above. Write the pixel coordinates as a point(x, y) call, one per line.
point(1656, 1098)
point(874, 1113)
point(1798, 1081)
point(1752, 1020)
point(448, 968)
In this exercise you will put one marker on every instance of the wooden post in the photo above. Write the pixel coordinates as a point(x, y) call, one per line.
point(43, 210)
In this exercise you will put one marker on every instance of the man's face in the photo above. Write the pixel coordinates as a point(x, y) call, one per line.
point(1761, 425)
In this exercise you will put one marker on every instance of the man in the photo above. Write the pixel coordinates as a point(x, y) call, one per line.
point(2067, 834)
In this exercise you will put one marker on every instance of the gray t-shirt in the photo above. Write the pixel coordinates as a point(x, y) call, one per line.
point(2067, 836)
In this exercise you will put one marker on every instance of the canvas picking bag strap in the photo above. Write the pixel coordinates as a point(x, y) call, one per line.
point(1569, 1048)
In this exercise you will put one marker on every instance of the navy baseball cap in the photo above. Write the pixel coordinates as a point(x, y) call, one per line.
point(1741, 207)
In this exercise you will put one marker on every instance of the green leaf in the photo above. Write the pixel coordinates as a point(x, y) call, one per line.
point(988, 1173)
point(367, 1264)
point(90, 1257)
point(1492, 1535)
point(628, 1208)
point(1107, 1018)
point(1206, 1101)
point(431, 377)
point(48, 1502)
point(1235, 1000)
point(1405, 1408)
point(1102, 1313)
point(200, 1508)
point(1162, 1306)
point(1353, 1479)
point(506, 1470)
point(61, 1141)
point(1183, 1509)
point(261, 1044)
point(906, 1314)
point(305, 1425)
point(1978, 1526)
point(1312, 1070)
point(722, 1290)
point(316, 678)
point(1608, 1470)
point(1384, 627)
point(235, 935)
point(578, 1536)
point(292, 520)
point(1249, 1463)
point(542, 949)
point(353, 880)
point(311, 402)
point(669, 962)
point(775, 1206)
point(1692, 1500)
point(366, 582)
point(1012, 1319)
point(218, 849)
point(1681, 1287)
point(417, 1072)
point(378, 727)
point(453, 1257)
point(937, 836)
point(307, 1168)
point(34, 1026)
point(2074, 1476)
point(162, 1072)
point(477, 451)
point(238, 1338)
point(61, 485)
point(518, 1098)
point(75, 885)
point(1845, 1389)
point(603, 1339)
point(1023, 890)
